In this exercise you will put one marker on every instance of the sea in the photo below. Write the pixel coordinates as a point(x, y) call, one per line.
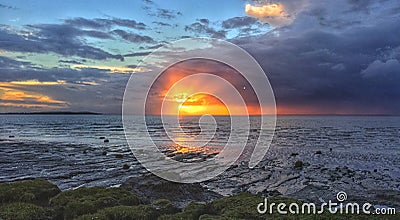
point(359, 154)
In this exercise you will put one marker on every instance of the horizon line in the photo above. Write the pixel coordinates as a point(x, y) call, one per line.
point(252, 115)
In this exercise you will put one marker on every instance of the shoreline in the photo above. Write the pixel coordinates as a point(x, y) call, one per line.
point(307, 175)
point(310, 159)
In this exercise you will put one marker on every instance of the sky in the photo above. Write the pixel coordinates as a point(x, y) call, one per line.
point(321, 57)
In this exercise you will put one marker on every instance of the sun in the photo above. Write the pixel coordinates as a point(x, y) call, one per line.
point(191, 110)
point(201, 104)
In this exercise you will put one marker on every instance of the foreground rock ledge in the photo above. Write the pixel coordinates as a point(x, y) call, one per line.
point(150, 188)
point(40, 199)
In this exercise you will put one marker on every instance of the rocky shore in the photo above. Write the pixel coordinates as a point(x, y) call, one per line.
point(146, 197)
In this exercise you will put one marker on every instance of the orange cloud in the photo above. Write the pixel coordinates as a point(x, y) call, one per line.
point(89, 83)
point(113, 69)
point(16, 97)
point(24, 105)
point(269, 10)
point(273, 14)
point(35, 82)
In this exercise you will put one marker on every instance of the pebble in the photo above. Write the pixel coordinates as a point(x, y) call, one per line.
point(298, 164)
point(126, 167)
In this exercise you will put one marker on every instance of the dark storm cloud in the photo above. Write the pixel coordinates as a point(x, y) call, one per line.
point(7, 63)
point(148, 1)
point(138, 54)
point(154, 46)
point(382, 69)
point(62, 32)
point(13, 70)
point(167, 14)
point(132, 37)
point(161, 12)
point(125, 23)
point(360, 5)
point(132, 66)
point(200, 28)
point(70, 61)
point(245, 26)
point(238, 22)
point(204, 21)
point(7, 7)
point(161, 23)
point(105, 23)
point(57, 38)
point(328, 70)
point(66, 38)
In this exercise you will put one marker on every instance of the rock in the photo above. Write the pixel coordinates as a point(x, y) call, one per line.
point(150, 188)
point(84, 152)
point(318, 152)
point(179, 157)
point(375, 170)
point(191, 211)
point(104, 153)
point(313, 193)
point(241, 206)
point(271, 193)
point(119, 156)
point(164, 206)
point(73, 203)
point(126, 167)
point(106, 141)
point(298, 164)
point(150, 211)
point(37, 191)
point(294, 154)
point(191, 156)
point(234, 166)
point(25, 211)
point(11, 136)
point(330, 149)
point(123, 212)
point(102, 138)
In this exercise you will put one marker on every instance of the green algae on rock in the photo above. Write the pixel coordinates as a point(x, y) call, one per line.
point(37, 191)
point(31, 202)
point(73, 203)
point(24, 211)
point(142, 212)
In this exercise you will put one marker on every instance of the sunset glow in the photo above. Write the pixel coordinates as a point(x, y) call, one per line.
point(112, 69)
point(202, 104)
point(13, 96)
point(37, 83)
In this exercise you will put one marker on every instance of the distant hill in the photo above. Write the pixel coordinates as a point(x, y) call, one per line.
point(51, 113)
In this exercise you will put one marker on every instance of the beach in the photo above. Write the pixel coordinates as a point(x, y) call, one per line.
point(311, 158)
